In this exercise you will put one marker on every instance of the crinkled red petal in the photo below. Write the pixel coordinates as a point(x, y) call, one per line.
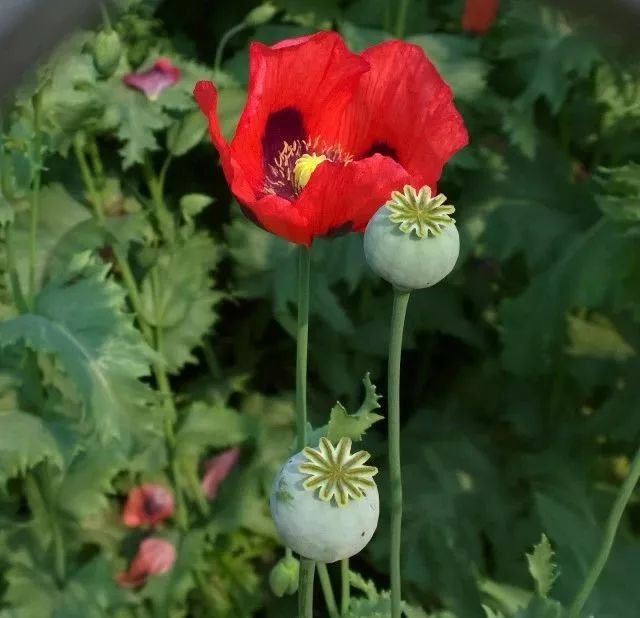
point(404, 109)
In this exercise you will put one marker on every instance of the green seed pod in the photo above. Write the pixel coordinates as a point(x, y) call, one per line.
point(260, 15)
point(325, 503)
point(106, 52)
point(412, 241)
point(283, 578)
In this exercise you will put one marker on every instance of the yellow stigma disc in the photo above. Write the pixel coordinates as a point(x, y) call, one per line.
point(304, 167)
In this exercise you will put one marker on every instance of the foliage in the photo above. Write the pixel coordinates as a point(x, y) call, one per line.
point(146, 325)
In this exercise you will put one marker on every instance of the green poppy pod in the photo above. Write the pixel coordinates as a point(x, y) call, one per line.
point(412, 241)
point(324, 502)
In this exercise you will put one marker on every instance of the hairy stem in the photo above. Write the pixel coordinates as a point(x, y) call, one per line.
point(400, 301)
point(305, 591)
point(327, 590)
point(36, 158)
point(610, 531)
point(302, 338)
point(401, 20)
point(345, 600)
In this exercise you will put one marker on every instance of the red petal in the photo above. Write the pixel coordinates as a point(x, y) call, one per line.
point(342, 198)
point(404, 109)
point(153, 81)
point(307, 80)
point(154, 557)
point(217, 469)
point(147, 505)
point(479, 15)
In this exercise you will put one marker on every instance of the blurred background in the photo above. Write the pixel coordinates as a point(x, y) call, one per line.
point(146, 335)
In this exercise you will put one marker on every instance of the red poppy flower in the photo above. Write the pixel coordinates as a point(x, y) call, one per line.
point(217, 469)
point(326, 134)
point(479, 15)
point(154, 557)
point(147, 505)
point(152, 82)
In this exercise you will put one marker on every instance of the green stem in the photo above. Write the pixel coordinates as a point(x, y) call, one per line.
point(400, 300)
point(163, 216)
point(611, 528)
point(305, 590)
point(345, 601)
point(16, 288)
point(226, 37)
point(302, 338)
point(403, 7)
point(327, 590)
point(36, 158)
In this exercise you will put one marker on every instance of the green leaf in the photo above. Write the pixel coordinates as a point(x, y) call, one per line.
point(79, 319)
point(25, 441)
point(542, 608)
point(342, 424)
point(194, 203)
point(620, 192)
point(187, 133)
point(178, 296)
point(597, 338)
point(138, 121)
point(542, 567)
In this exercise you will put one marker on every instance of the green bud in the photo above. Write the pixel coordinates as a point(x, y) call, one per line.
point(283, 578)
point(106, 53)
point(260, 15)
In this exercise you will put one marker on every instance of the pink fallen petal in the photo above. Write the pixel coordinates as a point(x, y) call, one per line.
point(147, 505)
point(217, 469)
point(154, 557)
point(152, 82)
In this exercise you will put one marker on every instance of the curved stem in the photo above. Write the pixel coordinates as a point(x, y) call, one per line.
point(400, 300)
point(327, 590)
point(403, 6)
point(226, 37)
point(305, 590)
point(302, 338)
point(346, 586)
point(611, 528)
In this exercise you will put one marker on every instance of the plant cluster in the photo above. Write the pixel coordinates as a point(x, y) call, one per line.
point(147, 329)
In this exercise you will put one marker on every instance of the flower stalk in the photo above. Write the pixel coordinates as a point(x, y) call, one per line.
point(610, 531)
point(327, 590)
point(305, 591)
point(302, 338)
point(400, 301)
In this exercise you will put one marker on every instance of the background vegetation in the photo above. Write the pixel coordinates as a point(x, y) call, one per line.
point(147, 324)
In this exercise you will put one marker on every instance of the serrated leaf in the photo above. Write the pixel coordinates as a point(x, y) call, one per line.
point(25, 441)
point(620, 192)
point(184, 303)
point(79, 319)
point(342, 424)
point(139, 120)
point(596, 337)
point(542, 567)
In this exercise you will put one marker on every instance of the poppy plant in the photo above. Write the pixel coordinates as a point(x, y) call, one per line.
point(147, 505)
point(217, 469)
point(152, 82)
point(154, 557)
point(326, 135)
